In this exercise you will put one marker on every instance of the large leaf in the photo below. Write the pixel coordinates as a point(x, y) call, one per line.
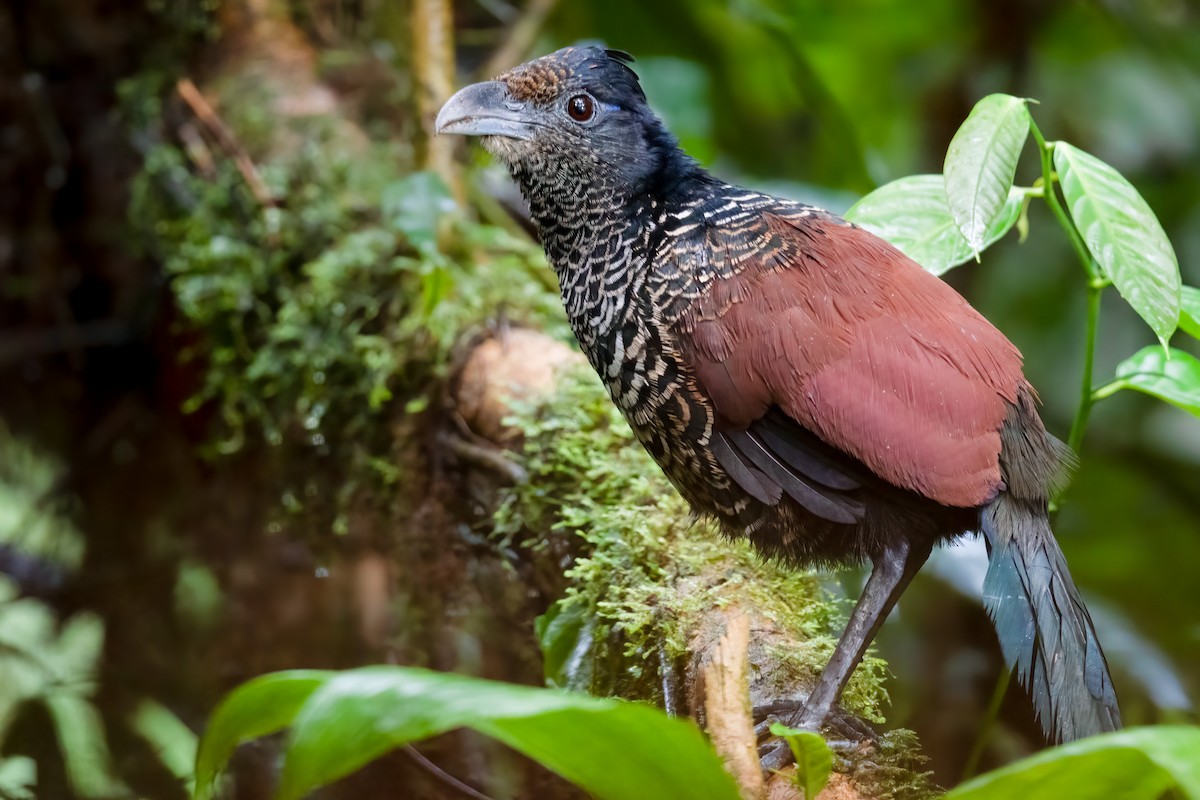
point(261, 706)
point(814, 762)
point(1176, 380)
point(1189, 310)
point(611, 748)
point(981, 162)
point(1135, 764)
point(1123, 235)
point(912, 214)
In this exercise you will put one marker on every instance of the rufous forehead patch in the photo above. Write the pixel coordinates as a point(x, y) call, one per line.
point(539, 80)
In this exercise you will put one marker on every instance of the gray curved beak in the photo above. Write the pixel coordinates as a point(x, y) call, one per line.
point(485, 109)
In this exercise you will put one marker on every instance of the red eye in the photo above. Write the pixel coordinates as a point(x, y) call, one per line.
point(581, 108)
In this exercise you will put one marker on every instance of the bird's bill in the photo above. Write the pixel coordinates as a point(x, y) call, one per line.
point(485, 109)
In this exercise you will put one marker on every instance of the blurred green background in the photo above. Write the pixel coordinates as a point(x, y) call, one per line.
point(124, 505)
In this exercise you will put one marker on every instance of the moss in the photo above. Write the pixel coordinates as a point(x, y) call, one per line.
point(646, 570)
point(317, 321)
point(895, 769)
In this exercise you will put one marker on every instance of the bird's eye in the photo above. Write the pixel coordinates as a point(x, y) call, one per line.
point(581, 108)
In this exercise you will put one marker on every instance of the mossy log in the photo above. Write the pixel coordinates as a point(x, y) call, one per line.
point(652, 594)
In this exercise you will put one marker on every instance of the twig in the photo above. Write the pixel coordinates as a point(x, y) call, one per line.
point(197, 149)
point(443, 776)
point(521, 36)
point(433, 75)
point(225, 137)
point(486, 457)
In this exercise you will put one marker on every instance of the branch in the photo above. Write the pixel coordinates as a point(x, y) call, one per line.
point(434, 80)
point(225, 137)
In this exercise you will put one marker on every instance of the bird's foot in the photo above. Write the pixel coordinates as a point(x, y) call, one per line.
point(843, 732)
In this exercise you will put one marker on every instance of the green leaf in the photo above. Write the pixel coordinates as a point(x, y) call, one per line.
point(912, 214)
point(564, 634)
point(1176, 381)
point(414, 205)
point(256, 708)
point(18, 776)
point(1189, 310)
point(1132, 764)
point(173, 742)
point(1123, 235)
point(814, 762)
point(361, 714)
point(981, 162)
point(84, 748)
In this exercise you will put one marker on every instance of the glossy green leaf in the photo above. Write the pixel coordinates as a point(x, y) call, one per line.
point(1123, 235)
point(1189, 310)
point(981, 162)
point(361, 714)
point(814, 762)
point(912, 214)
point(256, 708)
point(1134, 764)
point(1176, 381)
point(564, 634)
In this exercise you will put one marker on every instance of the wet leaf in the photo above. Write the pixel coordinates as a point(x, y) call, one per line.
point(1176, 381)
point(1123, 235)
point(1189, 310)
point(981, 162)
point(912, 213)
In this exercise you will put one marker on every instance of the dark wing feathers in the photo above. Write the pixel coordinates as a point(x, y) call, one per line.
point(804, 452)
point(821, 332)
point(743, 473)
point(823, 502)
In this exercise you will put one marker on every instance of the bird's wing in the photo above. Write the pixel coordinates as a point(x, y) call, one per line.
point(811, 331)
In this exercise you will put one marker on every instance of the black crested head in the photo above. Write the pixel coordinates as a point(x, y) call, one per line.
point(571, 123)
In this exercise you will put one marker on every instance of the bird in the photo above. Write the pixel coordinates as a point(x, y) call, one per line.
point(796, 377)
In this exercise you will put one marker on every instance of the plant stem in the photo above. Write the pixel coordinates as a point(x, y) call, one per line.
point(1096, 283)
point(989, 725)
point(1046, 151)
point(1086, 398)
point(1108, 390)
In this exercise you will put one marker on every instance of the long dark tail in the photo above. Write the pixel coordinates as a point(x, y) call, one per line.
point(1044, 628)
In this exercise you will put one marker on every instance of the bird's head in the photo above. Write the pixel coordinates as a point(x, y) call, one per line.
point(578, 114)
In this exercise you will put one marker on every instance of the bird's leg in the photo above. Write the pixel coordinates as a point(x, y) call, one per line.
point(892, 571)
